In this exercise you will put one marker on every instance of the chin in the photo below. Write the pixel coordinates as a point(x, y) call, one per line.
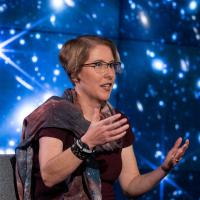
point(104, 97)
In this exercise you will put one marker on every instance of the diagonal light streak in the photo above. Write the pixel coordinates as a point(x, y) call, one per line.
point(12, 39)
point(9, 61)
point(3, 44)
point(7, 50)
point(24, 83)
point(162, 190)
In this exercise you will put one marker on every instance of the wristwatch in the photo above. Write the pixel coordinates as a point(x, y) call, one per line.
point(84, 147)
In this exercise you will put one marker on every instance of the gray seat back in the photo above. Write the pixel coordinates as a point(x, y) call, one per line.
point(7, 189)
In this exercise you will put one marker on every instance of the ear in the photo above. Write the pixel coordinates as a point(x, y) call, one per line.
point(75, 78)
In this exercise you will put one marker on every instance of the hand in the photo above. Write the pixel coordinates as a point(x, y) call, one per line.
point(175, 154)
point(106, 130)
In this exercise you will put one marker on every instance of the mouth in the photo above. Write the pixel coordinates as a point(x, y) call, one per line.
point(107, 86)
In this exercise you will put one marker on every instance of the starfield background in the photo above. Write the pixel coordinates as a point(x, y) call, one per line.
point(159, 89)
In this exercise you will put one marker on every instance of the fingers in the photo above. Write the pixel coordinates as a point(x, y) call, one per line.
point(179, 153)
point(116, 137)
point(118, 130)
point(178, 142)
point(186, 145)
point(116, 124)
point(187, 142)
point(110, 119)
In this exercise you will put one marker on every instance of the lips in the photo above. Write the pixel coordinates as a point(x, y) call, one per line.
point(107, 86)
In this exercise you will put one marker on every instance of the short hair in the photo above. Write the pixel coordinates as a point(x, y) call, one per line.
point(75, 52)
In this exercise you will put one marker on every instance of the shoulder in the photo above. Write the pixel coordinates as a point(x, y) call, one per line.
point(53, 105)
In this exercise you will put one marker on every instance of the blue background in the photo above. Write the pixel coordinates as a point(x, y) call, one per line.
point(159, 90)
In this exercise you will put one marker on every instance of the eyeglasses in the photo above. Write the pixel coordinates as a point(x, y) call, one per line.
point(101, 66)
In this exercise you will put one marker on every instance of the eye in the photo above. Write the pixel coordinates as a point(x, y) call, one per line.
point(98, 64)
point(112, 65)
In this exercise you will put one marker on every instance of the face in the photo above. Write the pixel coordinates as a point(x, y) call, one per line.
point(92, 85)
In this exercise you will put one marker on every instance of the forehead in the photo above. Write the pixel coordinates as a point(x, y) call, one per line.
point(100, 52)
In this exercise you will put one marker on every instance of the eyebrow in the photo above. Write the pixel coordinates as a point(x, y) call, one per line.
point(103, 61)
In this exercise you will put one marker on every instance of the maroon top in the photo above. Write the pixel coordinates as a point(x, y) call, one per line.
point(110, 165)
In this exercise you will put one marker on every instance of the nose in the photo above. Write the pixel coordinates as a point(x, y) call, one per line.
point(109, 73)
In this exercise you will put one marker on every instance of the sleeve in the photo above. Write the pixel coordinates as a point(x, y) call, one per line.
point(129, 137)
point(64, 135)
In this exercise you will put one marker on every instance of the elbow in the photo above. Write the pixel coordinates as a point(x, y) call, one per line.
point(131, 194)
point(51, 178)
point(47, 178)
point(127, 194)
point(130, 190)
point(48, 183)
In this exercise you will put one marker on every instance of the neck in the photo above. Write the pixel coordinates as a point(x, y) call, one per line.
point(87, 105)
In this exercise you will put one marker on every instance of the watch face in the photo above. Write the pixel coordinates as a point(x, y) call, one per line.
point(84, 147)
point(83, 144)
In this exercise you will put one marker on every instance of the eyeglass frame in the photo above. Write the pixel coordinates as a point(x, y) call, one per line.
point(104, 63)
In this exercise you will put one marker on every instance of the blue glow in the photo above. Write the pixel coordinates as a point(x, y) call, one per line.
point(144, 19)
point(3, 8)
point(59, 46)
point(12, 31)
point(94, 15)
point(194, 158)
point(198, 83)
point(57, 4)
point(19, 98)
point(34, 59)
point(174, 36)
point(125, 53)
point(56, 72)
point(139, 106)
point(22, 41)
point(37, 36)
point(28, 25)
point(12, 143)
point(198, 137)
point(132, 4)
point(161, 103)
point(150, 53)
point(187, 134)
point(184, 63)
point(99, 32)
point(193, 5)
point(53, 19)
point(180, 75)
point(174, 4)
point(70, 3)
point(158, 64)
point(164, 71)
point(159, 154)
point(177, 126)
point(115, 86)
point(182, 11)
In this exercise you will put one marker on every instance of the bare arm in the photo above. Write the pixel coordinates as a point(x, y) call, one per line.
point(131, 181)
point(135, 184)
point(54, 162)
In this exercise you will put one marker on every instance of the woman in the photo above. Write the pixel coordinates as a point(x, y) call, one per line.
point(79, 144)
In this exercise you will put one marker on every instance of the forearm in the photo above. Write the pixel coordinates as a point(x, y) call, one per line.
point(143, 183)
point(60, 167)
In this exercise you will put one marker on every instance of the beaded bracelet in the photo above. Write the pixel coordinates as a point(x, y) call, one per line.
point(81, 150)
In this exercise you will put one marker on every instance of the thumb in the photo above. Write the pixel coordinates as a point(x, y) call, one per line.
point(96, 116)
